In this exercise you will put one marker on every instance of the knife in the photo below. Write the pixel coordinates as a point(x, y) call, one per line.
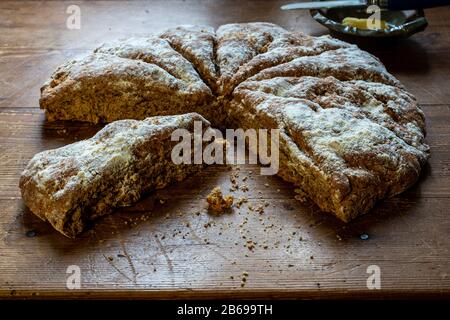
point(384, 4)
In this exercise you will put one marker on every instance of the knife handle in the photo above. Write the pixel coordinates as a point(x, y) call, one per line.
point(415, 4)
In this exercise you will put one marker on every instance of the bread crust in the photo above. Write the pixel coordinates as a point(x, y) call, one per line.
point(73, 185)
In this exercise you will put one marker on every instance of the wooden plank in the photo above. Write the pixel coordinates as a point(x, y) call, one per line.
point(35, 40)
point(160, 247)
point(23, 72)
point(175, 252)
point(106, 20)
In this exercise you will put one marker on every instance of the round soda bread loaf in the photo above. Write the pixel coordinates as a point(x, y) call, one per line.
point(350, 133)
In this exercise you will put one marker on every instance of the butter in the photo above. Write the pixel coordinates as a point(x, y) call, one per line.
point(364, 24)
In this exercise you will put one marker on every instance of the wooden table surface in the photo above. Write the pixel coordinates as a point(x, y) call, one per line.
point(167, 245)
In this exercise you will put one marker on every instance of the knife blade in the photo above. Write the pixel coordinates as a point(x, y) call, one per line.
point(386, 4)
point(325, 4)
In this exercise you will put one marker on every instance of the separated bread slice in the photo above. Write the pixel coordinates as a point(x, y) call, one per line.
point(73, 185)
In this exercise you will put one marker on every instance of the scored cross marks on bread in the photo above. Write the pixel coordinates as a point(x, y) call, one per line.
point(196, 44)
point(350, 133)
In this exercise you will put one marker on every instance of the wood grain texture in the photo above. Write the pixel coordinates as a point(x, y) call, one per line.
point(167, 245)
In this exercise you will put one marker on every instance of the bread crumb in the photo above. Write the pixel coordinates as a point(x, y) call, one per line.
point(300, 195)
point(217, 202)
point(244, 278)
point(241, 201)
point(259, 209)
point(250, 245)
